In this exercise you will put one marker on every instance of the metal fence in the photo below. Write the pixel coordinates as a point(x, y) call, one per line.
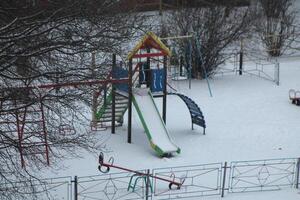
point(262, 175)
point(199, 181)
point(109, 186)
point(57, 188)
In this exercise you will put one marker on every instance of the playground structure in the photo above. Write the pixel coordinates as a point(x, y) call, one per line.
point(294, 96)
point(145, 83)
point(119, 90)
point(105, 168)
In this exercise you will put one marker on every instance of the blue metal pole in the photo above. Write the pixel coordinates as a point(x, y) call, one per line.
point(203, 68)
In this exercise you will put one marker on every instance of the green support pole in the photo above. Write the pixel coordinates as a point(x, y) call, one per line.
point(129, 101)
point(203, 68)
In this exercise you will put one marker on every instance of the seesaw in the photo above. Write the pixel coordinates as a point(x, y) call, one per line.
point(105, 168)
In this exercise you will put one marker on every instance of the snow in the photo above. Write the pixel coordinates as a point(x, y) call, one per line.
point(273, 195)
point(248, 118)
point(153, 120)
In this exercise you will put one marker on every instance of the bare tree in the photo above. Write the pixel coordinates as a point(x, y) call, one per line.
point(214, 29)
point(276, 25)
point(44, 43)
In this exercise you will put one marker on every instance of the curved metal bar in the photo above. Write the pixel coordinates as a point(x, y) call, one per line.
point(105, 170)
point(173, 186)
point(172, 176)
point(111, 160)
point(192, 106)
point(102, 167)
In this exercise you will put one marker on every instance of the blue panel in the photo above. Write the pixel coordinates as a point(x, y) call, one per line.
point(157, 77)
point(119, 73)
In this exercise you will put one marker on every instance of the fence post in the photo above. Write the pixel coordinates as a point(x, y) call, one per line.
point(277, 72)
point(241, 59)
point(147, 184)
point(224, 179)
point(75, 181)
point(297, 173)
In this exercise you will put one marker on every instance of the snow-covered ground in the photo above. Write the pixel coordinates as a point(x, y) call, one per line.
point(247, 118)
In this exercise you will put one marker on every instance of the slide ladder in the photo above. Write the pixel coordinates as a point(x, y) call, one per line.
point(104, 115)
point(195, 112)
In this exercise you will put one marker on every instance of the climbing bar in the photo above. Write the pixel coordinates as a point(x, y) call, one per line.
point(110, 164)
point(177, 37)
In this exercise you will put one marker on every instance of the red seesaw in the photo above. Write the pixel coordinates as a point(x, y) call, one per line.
point(110, 164)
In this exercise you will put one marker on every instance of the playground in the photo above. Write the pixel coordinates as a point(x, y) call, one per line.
point(248, 118)
point(150, 99)
point(152, 116)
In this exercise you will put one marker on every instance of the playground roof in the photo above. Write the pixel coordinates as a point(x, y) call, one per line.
point(150, 41)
